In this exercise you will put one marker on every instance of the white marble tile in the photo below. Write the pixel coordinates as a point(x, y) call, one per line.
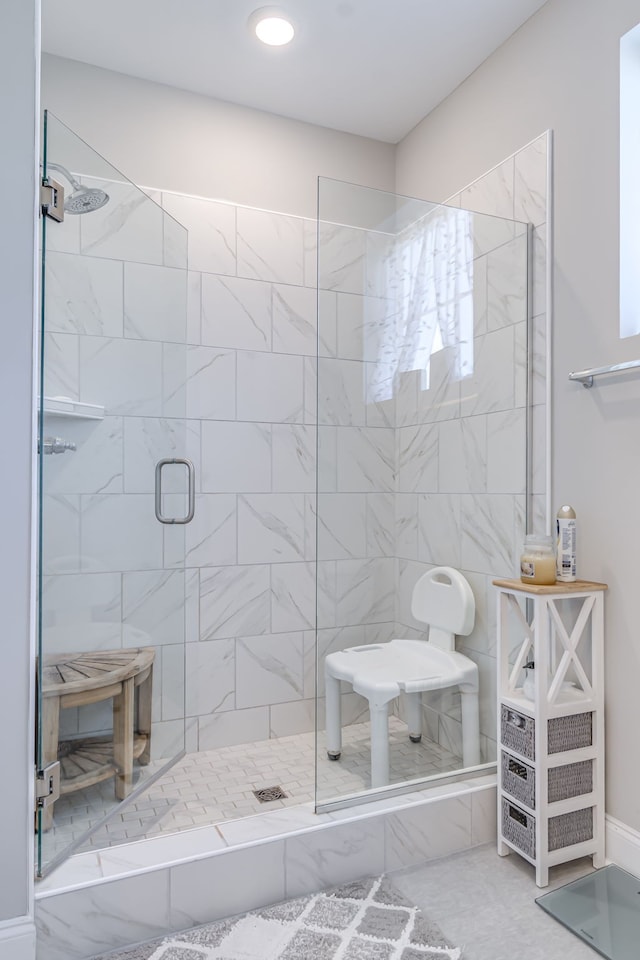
point(271, 528)
point(487, 522)
point(65, 236)
point(199, 382)
point(83, 923)
point(406, 525)
point(540, 268)
point(507, 284)
point(236, 457)
point(194, 307)
point(310, 252)
point(380, 532)
point(270, 246)
point(294, 458)
point(417, 459)
point(229, 883)
point(293, 596)
point(365, 459)
point(365, 591)
point(129, 227)
point(82, 598)
point(488, 693)
point(287, 719)
point(379, 384)
point(269, 669)
point(450, 734)
point(539, 466)
point(492, 193)
point(167, 739)
point(341, 392)
point(62, 365)
point(539, 361)
point(149, 439)
point(416, 834)
point(520, 371)
point(483, 635)
point(483, 816)
point(154, 601)
point(491, 385)
point(61, 534)
point(342, 526)
point(366, 327)
point(233, 727)
point(236, 313)
point(173, 682)
point(326, 612)
point(480, 296)
point(126, 857)
point(210, 677)
point(439, 390)
point(175, 239)
point(211, 227)
point(506, 451)
point(341, 259)
point(270, 387)
point(125, 376)
point(310, 368)
point(234, 601)
point(325, 858)
point(96, 464)
point(294, 320)
point(155, 303)
point(531, 188)
point(327, 323)
point(83, 295)
point(462, 460)
point(211, 538)
point(120, 532)
point(439, 539)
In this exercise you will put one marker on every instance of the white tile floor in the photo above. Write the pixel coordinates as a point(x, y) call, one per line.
point(216, 786)
point(486, 905)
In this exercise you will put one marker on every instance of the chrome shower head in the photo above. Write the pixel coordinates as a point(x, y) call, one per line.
point(83, 199)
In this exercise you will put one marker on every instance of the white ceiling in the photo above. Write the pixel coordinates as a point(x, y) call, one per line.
point(370, 67)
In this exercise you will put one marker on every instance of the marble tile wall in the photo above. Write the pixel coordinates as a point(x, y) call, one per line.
point(240, 401)
point(461, 460)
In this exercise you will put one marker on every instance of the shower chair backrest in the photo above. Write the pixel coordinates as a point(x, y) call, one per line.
point(443, 599)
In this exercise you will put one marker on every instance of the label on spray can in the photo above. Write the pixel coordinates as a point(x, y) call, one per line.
point(566, 547)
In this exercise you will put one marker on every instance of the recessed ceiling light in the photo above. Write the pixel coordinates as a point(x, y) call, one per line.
point(272, 26)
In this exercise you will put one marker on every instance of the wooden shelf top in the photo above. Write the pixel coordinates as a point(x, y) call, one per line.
point(578, 586)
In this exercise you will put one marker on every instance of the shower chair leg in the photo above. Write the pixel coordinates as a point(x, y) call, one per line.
point(333, 707)
point(379, 714)
point(470, 728)
point(413, 706)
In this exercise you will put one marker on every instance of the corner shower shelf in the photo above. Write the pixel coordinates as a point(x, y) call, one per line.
point(551, 748)
point(74, 409)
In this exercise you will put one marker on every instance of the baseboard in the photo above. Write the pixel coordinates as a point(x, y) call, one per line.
point(18, 940)
point(622, 845)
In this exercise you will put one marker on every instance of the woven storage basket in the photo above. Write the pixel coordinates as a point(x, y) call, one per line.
point(519, 828)
point(518, 780)
point(570, 828)
point(570, 733)
point(571, 780)
point(518, 732)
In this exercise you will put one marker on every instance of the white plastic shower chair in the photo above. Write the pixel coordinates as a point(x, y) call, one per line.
point(442, 598)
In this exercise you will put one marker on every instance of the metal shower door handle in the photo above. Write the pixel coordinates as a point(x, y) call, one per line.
point(191, 472)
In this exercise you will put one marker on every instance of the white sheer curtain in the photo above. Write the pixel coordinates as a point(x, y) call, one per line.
point(430, 277)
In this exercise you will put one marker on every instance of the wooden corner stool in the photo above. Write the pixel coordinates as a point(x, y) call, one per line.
point(78, 679)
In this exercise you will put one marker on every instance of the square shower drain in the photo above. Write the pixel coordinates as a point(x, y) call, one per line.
point(269, 793)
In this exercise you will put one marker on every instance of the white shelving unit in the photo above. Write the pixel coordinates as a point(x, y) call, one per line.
point(551, 748)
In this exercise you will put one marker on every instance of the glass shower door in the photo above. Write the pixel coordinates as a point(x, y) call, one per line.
point(116, 492)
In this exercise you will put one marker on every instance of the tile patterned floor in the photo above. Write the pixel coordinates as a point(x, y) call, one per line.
point(217, 785)
point(486, 905)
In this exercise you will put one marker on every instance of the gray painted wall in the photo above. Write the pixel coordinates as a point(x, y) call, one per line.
point(18, 122)
point(174, 140)
point(561, 70)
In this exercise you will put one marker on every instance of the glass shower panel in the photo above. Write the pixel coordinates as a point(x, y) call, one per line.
point(116, 485)
point(422, 461)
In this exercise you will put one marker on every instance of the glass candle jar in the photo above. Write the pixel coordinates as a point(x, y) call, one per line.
point(538, 561)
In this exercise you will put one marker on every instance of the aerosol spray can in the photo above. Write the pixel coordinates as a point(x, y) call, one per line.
point(566, 544)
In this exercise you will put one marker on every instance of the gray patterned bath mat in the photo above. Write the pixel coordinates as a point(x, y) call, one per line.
point(365, 920)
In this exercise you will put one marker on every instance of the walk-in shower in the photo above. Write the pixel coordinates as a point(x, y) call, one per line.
point(354, 394)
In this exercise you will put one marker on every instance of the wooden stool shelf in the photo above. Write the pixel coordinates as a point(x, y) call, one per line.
point(77, 679)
